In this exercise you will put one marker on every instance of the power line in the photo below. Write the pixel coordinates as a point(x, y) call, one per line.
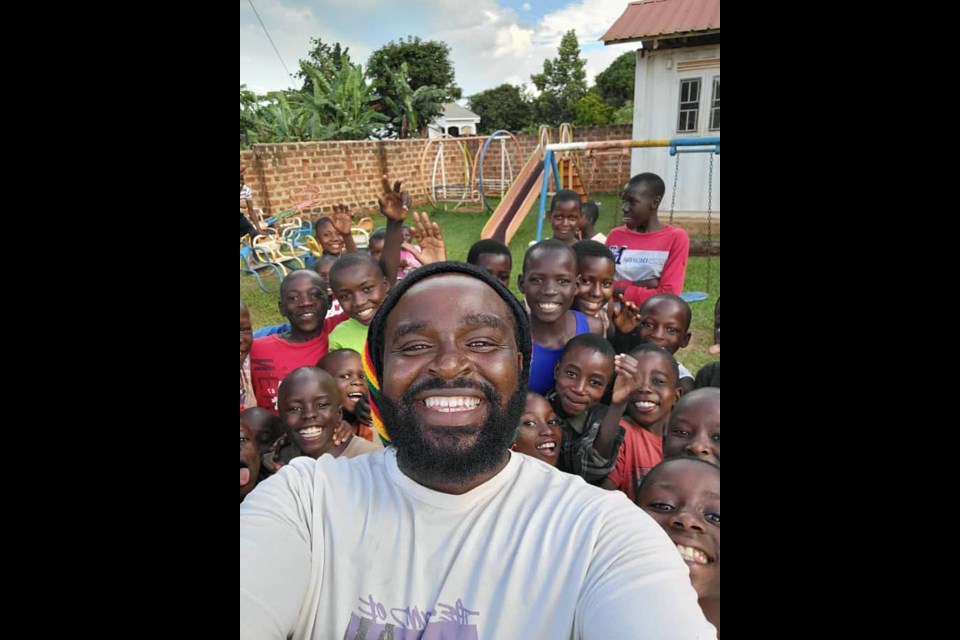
point(268, 37)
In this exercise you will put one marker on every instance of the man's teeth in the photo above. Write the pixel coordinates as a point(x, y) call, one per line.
point(366, 313)
point(311, 432)
point(548, 446)
point(549, 306)
point(308, 314)
point(357, 395)
point(449, 404)
point(644, 405)
point(692, 555)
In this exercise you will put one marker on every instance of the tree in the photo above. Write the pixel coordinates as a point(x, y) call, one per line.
point(562, 83)
point(615, 83)
point(623, 115)
point(278, 120)
point(505, 107)
point(325, 59)
point(410, 103)
point(427, 65)
point(248, 117)
point(592, 110)
point(339, 106)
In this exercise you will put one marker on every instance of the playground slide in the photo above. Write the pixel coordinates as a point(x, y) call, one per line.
point(509, 214)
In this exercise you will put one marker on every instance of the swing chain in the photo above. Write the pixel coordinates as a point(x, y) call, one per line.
point(676, 174)
point(709, 221)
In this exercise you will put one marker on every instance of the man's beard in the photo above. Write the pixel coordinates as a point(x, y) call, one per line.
point(451, 460)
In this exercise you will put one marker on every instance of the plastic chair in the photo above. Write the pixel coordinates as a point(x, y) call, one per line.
point(269, 250)
point(251, 266)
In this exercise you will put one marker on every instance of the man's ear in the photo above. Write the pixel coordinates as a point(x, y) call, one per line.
point(520, 283)
point(686, 340)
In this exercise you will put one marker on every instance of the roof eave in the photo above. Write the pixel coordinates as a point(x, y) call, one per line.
point(660, 36)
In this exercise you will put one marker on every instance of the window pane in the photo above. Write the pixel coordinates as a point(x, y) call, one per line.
point(689, 105)
point(715, 106)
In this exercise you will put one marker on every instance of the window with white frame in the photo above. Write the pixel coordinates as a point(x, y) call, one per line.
point(689, 105)
point(715, 105)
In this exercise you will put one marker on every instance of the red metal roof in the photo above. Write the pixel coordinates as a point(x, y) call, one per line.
point(659, 18)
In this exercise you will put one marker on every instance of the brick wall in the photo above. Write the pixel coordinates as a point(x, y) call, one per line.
point(349, 172)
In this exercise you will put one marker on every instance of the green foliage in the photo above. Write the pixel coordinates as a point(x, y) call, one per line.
point(248, 116)
point(324, 58)
point(505, 107)
point(414, 109)
point(562, 83)
point(623, 115)
point(615, 83)
point(427, 65)
point(339, 107)
point(592, 110)
point(278, 120)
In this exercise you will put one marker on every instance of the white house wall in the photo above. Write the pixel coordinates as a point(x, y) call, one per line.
point(441, 124)
point(656, 109)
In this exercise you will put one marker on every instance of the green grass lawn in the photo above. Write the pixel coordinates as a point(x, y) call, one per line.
point(461, 230)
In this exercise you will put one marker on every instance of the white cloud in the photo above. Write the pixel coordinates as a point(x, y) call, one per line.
point(490, 44)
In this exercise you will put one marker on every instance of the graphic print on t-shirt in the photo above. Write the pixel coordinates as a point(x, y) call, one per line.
point(638, 264)
point(373, 620)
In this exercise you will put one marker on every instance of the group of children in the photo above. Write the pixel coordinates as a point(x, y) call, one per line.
point(607, 399)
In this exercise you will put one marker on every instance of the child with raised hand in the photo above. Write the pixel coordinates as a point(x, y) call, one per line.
point(683, 496)
point(709, 375)
point(394, 205)
point(651, 256)
point(548, 280)
point(360, 285)
point(409, 254)
point(494, 257)
point(346, 368)
point(431, 248)
point(694, 427)
point(592, 436)
point(653, 395)
point(565, 216)
point(539, 435)
point(335, 233)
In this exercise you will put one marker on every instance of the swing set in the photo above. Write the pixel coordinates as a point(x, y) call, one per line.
point(709, 145)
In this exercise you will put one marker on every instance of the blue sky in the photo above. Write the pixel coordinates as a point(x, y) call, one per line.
point(491, 41)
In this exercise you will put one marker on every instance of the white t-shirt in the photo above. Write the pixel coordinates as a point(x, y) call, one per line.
point(333, 547)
